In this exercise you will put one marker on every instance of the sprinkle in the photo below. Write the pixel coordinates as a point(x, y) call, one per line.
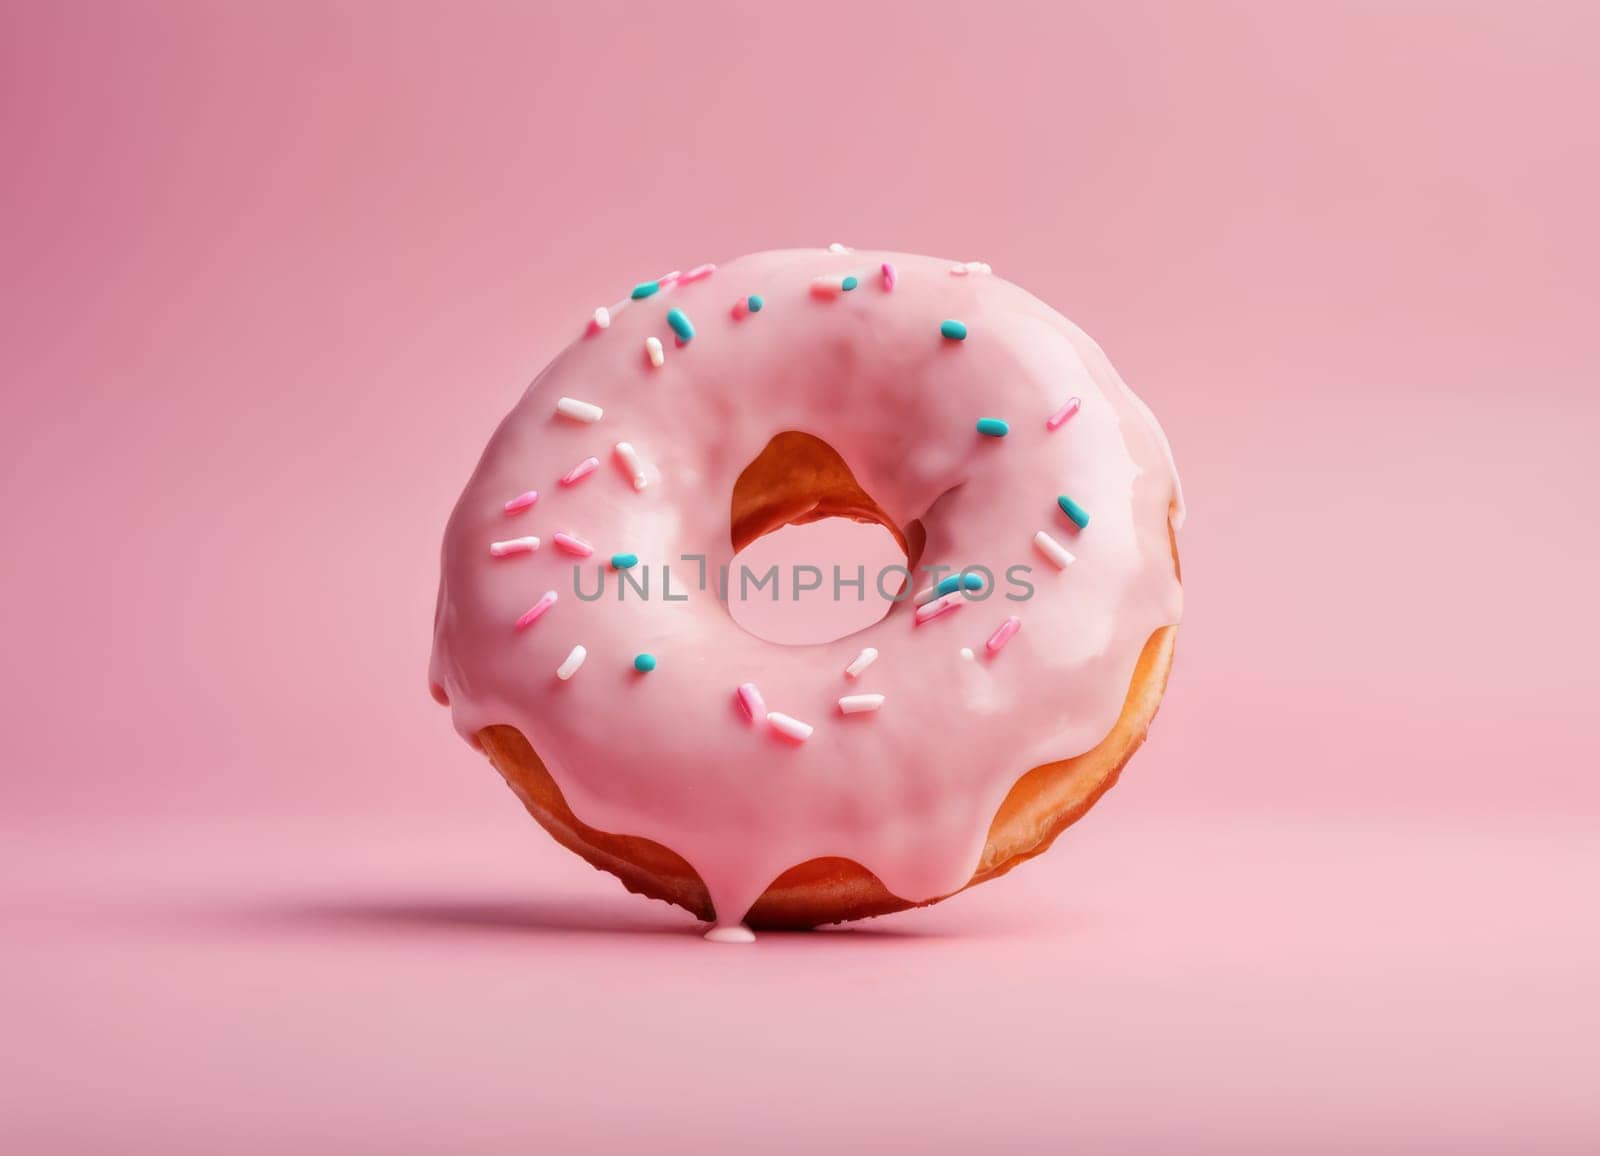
point(755, 706)
point(645, 289)
point(568, 544)
point(624, 561)
point(601, 320)
point(953, 330)
point(580, 471)
point(536, 611)
point(888, 277)
point(628, 457)
point(755, 302)
point(1071, 509)
point(569, 665)
point(827, 286)
point(958, 270)
point(521, 502)
point(1053, 550)
point(790, 727)
point(513, 546)
point(679, 320)
point(671, 279)
point(644, 663)
point(966, 653)
point(938, 607)
point(652, 347)
point(698, 273)
point(860, 662)
point(860, 703)
point(947, 585)
point(958, 582)
point(962, 268)
point(835, 247)
point(849, 283)
point(993, 427)
point(1002, 634)
point(579, 410)
point(1055, 420)
point(740, 308)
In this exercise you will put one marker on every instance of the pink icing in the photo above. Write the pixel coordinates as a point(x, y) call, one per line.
point(910, 796)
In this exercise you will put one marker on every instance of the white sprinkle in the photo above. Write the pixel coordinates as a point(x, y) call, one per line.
point(958, 270)
point(926, 594)
point(860, 703)
point(860, 662)
point(792, 727)
point(966, 653)
point(652, 346)
point(629, 457)
point(602, 318)
point(513, 546)
point(579, 410)
point(827, 286)
point(1053, 550)
point(737, 933)
point(938, 606)
point(835, 247)
point(962, 268)
point(570, 664)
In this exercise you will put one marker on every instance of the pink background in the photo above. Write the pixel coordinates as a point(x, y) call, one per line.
point(270, 275)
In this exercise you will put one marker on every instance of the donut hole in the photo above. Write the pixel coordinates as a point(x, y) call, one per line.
point(815, 557)
point(811, 583)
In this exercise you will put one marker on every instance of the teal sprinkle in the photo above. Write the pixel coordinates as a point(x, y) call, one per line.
point(644, 663)
point(993, 427)
point(755, 303)
point(623, 561)
point(954, 330)
point(679, 320)
point(645, 289)
point(1071, 509)
point(956, 582)
point(849, 283)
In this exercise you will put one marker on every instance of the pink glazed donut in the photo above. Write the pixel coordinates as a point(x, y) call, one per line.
point(760, 785)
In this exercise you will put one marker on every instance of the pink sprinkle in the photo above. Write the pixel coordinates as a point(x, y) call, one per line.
point(521, 502)
point(568, 544)
point(580, 471)
point(740, 308)
point(1000, 637)
point(888, 277)
point(1054, 420)
point(698, 273)
point(669, 280)
point(536, 611)
point(934, 609)
point(827, 286)
point(755, 707)
point(513, 546)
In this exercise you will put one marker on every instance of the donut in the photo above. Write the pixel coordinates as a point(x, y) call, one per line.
point(583, 642)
